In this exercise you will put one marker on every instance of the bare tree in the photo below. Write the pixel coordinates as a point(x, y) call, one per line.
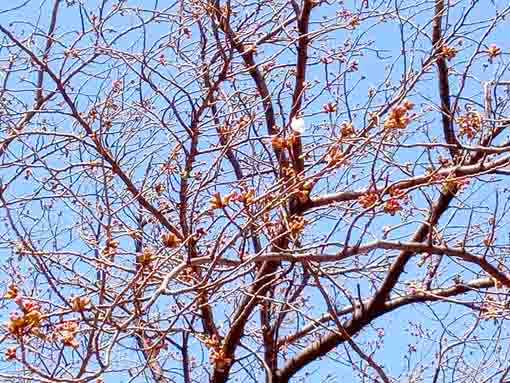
point(276, 190)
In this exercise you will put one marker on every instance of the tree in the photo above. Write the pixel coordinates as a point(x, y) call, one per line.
point(270, 191)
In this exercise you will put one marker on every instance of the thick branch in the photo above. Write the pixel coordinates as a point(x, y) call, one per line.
point(444, 86)
point(377, 304)
point(456, 171)
point(322, 346)
point(299, 88)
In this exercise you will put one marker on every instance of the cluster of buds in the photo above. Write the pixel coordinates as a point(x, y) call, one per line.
point(21, 323)
point(93, 115)
point(281, 143)
point(288, 171)
point(448, 52)
point(444, 162)
point(79, 304)
point(11, 292)
point(110, 249)
point(493, 51)
point(368, 200)
point(224, 130)
point(296, 225)
point(67, 333)
point(10, 353)
point(454, 183)
point(353, 22)
point(346, 129)
point(392, 206)
point(330, 107)
point(470, 124)
point(146, 256)
point(394, 191)
point(335, 156)
point(170, 240)
point(399, 118)
point(303, 194)
point(243, 122)
point(488, 241)
point(218, 202)
point(217, 354)
point(245, 197)
point(227, 130)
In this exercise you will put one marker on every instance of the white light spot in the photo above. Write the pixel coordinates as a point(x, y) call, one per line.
point(298, 125)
